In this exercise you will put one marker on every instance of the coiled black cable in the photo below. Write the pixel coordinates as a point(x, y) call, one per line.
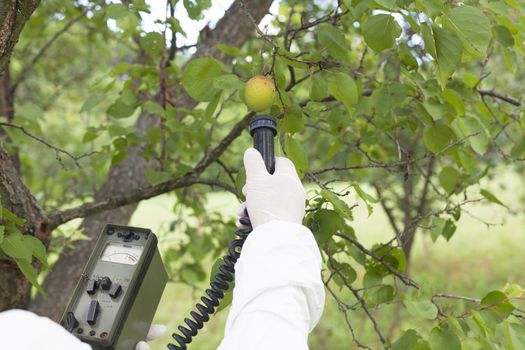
point(214, 294)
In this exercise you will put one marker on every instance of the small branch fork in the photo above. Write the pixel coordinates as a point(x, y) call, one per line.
point(57, 150)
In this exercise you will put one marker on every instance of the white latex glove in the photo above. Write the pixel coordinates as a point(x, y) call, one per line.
point(277, 196)
point(155, 331)
point(24, 330)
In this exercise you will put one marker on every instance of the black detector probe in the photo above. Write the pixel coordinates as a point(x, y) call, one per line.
point(120, 288)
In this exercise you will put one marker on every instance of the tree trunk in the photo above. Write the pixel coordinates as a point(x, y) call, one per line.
point(13, 16)
point(233, 29)
point(15, 196)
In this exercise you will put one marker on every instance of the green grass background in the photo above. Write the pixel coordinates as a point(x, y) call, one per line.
point(478, 259)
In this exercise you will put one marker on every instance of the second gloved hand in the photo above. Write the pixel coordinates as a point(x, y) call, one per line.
point(278, 196)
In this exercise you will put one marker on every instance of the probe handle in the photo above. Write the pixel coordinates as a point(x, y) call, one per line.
point(263, 130)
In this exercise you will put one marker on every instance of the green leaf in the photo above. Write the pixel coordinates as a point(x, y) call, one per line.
point(441, 339)
point(389, 97)
point(381, 31)
point(295, 151)
point(448, 179)
point(503, 35)
point(37, 248)
point(383, 294)
point(344, 89)
point(428, 39)
point(515, 336)
point(91, 134)
point(372, 278)
point(496, 307)
point(345, 269)
point(339, 205)
point(10, 216)
point(431, 8)
point(448, 230)
point(92, 101)
point(154, 108)
point(119, 109)
point(293, 120)
point(228, 82)
point(436, 137)
point(116, 11)
point(435, 109)
point(324, 224)
point(421, 307)
point(152, 43)
point(491, 197)
point(442, 227)
point(410, 340)
point(198, 78)
point(30, 273)
point(2, 230)
point(477, 135)
point(448, 52)
point(14, 246)
point(471, 26)
point(333, 40)
point(365, 197)
point(196, 7)
point(387, 4)
point(513, 290)
point(118, 157)
point(319, 88)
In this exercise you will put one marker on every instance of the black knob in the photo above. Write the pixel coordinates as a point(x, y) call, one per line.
point(92, 286)
point(115, 290)
point(71, 322)
point(127, 236)
point(105, 283)
point(92, 312)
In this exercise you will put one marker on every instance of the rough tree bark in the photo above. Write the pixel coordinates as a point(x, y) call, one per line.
point(16, 197)
point(233, 29)
point(13, 16)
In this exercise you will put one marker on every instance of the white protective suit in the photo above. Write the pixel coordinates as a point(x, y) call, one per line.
point(278, 296)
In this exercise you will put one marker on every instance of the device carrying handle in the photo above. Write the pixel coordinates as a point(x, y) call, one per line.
point(263, 130)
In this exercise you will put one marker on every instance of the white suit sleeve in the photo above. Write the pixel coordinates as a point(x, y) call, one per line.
point(23, 330)
point(279, 295)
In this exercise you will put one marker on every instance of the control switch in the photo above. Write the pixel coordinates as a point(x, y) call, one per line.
point(115, 290)
point(105, 283)
point(93, 312)
point(92, 286)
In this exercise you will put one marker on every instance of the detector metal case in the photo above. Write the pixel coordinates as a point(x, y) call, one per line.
point(119, 290)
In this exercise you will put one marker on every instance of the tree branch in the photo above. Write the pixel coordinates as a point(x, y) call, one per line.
point(133, 196)
point(58, 150)
point(499, 96)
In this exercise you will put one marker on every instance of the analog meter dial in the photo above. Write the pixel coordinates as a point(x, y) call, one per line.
point(122, 253)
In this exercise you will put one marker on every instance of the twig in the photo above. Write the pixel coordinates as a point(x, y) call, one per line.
point(406, 280)
point(58, 150)
point(361, 301)
point(499, 96)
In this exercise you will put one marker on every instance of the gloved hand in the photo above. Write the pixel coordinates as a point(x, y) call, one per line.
point(277, 196)
point(155, 331)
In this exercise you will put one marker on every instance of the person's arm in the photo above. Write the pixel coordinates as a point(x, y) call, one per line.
point(24, 330)
point(279, 295)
